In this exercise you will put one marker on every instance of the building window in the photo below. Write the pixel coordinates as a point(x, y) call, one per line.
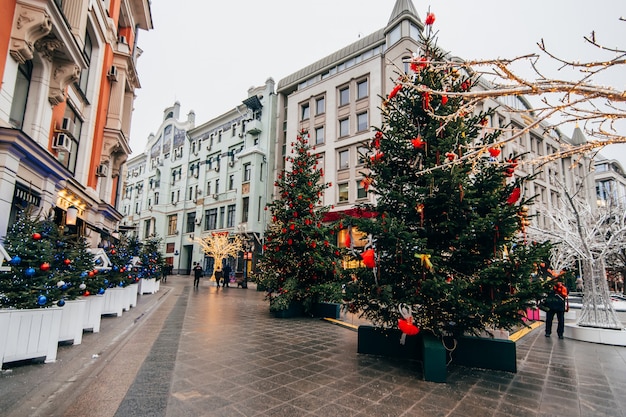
point(362, 122)
point(172, 222)
point(172, 199)
point(221, 219)
point(231, 182)
point(344, 127)
point(210, 219)
point(394, 35)
point(247, 172)
point(319, 135)
point(320, 106)
point(156, 198)
point(362, 155)
point(362, 89)
point(146, 228)
point(230, 219)
point(191, 222)
point(20, 94)
point(344, 96)
point(84, 74)
point(343, 192)
point(217, 186)
point(170, 247)
point(344, 159)
point(360, 190)
point(245, 208)
point(305, 112)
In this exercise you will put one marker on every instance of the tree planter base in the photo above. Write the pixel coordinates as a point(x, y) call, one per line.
point(148, 286)
point(93, 313)
point(327, 310)
point(485, 353)
point(29, 334)
point(294, 310)
point(71, 329)
point(132, 294)
point(114, 299)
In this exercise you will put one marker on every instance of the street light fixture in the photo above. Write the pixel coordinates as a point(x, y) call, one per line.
point(71, 215)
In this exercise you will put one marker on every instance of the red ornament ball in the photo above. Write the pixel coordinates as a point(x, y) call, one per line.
point(67, 261)
point(36, 236)
point(87, 293)
point(44, 266)
point(91, 274)
point(113, 252)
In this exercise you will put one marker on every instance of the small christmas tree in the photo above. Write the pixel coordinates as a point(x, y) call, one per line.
point(121, 255)
point(447, 253)
point(300, 259)
point(80, 273)
point(152, 262)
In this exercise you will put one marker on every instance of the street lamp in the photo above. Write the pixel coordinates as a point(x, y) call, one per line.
point(71, 215)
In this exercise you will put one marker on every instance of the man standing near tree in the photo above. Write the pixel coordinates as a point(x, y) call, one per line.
point(226, 271)
point(197, 273)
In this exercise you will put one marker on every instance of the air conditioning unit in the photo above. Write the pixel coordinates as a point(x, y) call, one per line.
point(112, 75)
point(102, 170)
point(198, 221)
point(122, 39)
point(67, 125)
point(217, 168)
point(62, 142)
point(214, 196)
point(208, 148)
point(231, 164)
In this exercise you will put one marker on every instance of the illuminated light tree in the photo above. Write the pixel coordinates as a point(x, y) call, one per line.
point(447, 251)
point(220, 246)
point(582, 234)
point(574, 97)
point(300, 259)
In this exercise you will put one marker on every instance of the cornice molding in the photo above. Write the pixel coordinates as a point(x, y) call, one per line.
point(29, 25)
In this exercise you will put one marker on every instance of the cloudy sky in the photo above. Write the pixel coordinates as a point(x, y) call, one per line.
point(206, 54)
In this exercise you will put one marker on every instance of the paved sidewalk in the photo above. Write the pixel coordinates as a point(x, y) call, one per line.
point(218, 352)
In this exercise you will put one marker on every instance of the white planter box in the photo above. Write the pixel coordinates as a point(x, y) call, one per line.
point(132, 295)
point(71, 329)
point(114, 299)
point(29, 334)
point(93, 312)
point(149, 286)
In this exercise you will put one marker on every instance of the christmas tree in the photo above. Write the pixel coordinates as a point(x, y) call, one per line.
point(121, 255)
point(300, 259)
point(152, 263)
point(76, 263)
point(446, 252)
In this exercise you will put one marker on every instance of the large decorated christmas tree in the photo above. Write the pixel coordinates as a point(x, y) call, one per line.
point(446, 252)
point(300, 259)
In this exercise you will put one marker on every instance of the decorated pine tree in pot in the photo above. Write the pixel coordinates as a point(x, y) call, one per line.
point(447, 254)
point(300, 259)
point(151, 261)
point(121, 255)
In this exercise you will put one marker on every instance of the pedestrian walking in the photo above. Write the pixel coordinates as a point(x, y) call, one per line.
point(579, 284)
point(557, 304)
point(226, 271)
point(218, 275)
point(197, 273)
point(164, 270)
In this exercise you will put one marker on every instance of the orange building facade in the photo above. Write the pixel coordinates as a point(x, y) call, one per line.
point(68, 71)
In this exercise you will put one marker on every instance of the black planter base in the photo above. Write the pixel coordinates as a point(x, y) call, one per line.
point(473, 352)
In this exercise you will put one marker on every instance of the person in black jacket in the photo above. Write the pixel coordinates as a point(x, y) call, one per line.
point(557, 305)
point(197, 273)
point(226, 271)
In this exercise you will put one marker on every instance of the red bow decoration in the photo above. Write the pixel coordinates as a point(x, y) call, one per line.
point(407, 327)
point(494, 152)
point(430, 19)
point(395, 91)
point(369, 258)
point(377, 157)
point(418, 143)
point(515, 195)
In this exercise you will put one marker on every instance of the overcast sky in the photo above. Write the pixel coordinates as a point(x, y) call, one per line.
point(206, 54)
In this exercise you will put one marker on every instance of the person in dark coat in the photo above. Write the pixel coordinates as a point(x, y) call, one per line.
point(197, 273)
point(226, 271)
point(557, 305)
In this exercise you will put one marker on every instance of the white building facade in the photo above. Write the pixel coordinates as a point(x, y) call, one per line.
point(192, 181)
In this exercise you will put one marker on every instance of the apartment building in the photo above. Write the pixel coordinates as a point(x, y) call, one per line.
point(69, 76)
point(192, 181)
point(610, 179)
point(337, 99)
